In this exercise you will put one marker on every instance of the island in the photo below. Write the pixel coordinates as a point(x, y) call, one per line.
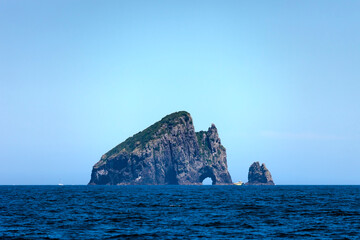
point(259, 175)
point(169, 152)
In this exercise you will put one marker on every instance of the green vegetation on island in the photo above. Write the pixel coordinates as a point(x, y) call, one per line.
point(150, 133)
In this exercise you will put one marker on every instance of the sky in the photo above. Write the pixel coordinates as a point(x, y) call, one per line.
point(279, 79)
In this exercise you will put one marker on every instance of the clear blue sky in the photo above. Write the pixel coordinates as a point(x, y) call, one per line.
point(280, 80)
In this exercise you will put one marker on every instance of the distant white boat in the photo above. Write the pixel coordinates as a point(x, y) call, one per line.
point(60, 183)
point(239, 183)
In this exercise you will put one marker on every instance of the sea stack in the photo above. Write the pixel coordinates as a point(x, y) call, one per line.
point(259, 175)
point(167, 152)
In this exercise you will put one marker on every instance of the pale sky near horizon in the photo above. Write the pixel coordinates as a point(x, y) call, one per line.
point(280, 80)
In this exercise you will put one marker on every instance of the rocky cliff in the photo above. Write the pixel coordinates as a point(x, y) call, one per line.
point(259, 175)
point(167, 152)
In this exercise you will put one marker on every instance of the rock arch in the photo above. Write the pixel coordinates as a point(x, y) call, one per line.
point(207, 172)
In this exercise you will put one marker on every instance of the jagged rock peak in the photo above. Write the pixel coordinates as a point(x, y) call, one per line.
point(167, 152)
point(259, 175)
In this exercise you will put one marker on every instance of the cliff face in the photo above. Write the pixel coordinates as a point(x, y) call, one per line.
point(259, 175)
point(167, 152)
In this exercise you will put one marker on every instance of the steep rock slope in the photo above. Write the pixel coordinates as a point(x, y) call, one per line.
point(167, 152)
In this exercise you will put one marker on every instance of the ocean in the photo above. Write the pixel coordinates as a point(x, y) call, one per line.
point(179, 212)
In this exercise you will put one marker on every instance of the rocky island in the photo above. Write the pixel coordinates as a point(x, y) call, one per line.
point(259, 175)
point(167, 152)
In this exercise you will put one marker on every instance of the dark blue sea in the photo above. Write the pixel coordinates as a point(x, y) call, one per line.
point(179, 212)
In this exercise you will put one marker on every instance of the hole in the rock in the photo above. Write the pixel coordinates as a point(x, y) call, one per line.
point(207, 181)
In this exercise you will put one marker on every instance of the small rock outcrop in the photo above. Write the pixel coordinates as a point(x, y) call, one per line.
point(259, 175)
point(167, 152)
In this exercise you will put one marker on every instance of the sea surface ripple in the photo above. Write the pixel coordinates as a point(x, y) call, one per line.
point(179, 212)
